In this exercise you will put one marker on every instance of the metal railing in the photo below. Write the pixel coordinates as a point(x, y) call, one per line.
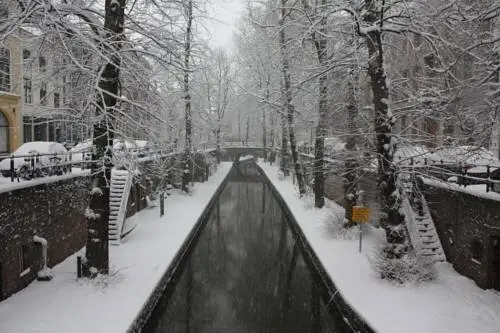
point(461, 173)
point(37, 165)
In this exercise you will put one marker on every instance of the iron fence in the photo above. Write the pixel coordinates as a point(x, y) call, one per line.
point(31, 166)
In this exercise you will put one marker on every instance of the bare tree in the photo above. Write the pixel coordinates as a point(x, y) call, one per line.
point(186, 176)
point(288, 107)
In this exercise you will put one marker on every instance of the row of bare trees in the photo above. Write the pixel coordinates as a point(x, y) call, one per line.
point(378, 75)
point(132, 64)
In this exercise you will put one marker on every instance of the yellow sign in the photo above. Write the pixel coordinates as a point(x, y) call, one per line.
point(360, 214)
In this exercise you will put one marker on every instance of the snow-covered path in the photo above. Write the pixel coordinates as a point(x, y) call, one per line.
point(109, 305)
point(451, 304)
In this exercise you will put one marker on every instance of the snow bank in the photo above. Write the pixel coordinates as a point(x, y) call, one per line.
point(450, 304)
point(109, 304)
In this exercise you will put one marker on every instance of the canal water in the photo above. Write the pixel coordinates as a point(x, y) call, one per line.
point(247, 272)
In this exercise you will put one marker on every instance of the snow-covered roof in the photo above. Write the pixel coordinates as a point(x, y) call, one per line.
point(82, 146)
point(465, 154)
point(38, 146)
point(334, 144)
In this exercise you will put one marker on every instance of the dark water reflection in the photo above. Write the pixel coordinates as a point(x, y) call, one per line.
point(246, 273)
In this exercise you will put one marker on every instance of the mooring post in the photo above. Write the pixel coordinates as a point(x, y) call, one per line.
point(79, 266)
point(162, 204)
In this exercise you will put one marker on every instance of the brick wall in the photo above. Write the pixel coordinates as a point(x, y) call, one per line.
point(53, 211)
point(467, 223)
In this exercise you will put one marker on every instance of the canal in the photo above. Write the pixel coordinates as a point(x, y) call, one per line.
point(247, 272)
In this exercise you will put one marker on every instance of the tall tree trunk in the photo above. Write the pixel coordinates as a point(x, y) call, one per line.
point(239, 125)
point(391, 220)
point(320, 44)
point(218, 141)
point(284, 157)
point(97, 214)
point(351, 177)
point(264, 124)
point(247, 131)
point(186, 172)
point(290, 109)
point(272, 140)
point(264, 135)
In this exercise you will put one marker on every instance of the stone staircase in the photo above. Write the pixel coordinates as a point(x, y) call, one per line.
point(121, 182)
point(423, 233)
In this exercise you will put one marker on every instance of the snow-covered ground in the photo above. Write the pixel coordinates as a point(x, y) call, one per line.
point(110, 304)
point(450, 304)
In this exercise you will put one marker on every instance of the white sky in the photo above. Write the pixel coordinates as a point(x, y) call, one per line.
point(225, 15)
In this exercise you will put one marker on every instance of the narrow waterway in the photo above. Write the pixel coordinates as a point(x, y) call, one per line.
point(247, 272)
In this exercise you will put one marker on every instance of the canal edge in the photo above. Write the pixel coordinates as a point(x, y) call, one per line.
point(354, 319)
point(168, 276)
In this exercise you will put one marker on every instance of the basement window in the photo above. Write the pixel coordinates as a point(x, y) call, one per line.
point(476, 249)
point(25, 259)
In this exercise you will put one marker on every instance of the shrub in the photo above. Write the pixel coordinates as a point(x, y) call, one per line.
point(410, 269)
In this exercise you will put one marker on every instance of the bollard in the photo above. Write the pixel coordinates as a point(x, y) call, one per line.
point(78, 266)
point(162, 204)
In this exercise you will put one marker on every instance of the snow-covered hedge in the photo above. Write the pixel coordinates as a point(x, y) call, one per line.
point(408, 270)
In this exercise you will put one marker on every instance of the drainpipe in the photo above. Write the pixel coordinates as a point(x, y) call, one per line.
point(45, 273)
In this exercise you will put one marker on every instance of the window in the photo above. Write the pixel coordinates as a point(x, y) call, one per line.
point(57, 100)
point(43, 93)
point(42, 63)
point(26, 54)
point(4, 69)
point(4, 134)
point(430, 60)
point(25, 259)
point(4, 11)
point(28, 92)
point(476, 249)
point(27, 126)
point(65, 90)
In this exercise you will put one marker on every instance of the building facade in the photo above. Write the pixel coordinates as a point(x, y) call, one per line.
point(11, 129)
point(46, 90)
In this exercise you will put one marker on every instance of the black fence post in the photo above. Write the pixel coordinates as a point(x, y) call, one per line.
point(442, 167)
point(162, 204)
point(12, 168)
point(32, 166)
point(78, 266)
point(488, 174)
point(461, 173)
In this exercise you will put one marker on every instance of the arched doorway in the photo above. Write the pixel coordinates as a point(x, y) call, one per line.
point(4, 134)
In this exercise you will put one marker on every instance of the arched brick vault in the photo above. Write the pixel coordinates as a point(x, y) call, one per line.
point(4, 115)
point(9, 106)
